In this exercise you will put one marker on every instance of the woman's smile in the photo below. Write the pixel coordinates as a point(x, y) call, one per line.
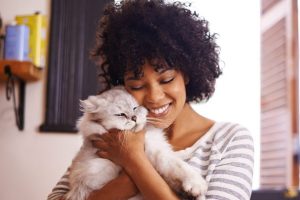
point(160, 111)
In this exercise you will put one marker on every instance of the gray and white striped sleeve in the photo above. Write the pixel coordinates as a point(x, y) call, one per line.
point(61, 188)
point(232, 177)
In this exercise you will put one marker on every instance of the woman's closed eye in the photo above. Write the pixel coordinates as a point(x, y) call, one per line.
point(138, 87)
point(165, 81)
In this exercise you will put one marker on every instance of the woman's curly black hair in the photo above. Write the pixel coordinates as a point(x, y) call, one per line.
point(135, 31)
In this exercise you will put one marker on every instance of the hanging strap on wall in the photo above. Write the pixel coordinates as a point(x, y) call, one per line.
point(11, 93)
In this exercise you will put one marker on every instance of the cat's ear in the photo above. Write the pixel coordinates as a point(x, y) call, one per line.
point(91, 105)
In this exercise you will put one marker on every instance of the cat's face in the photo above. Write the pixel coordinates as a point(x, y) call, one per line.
point(115, 109)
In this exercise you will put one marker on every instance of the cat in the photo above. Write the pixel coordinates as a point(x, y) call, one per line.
point(116, 108)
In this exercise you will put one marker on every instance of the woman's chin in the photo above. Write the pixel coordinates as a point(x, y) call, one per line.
point(160, 125)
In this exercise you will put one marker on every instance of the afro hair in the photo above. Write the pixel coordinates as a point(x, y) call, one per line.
point(135, 31)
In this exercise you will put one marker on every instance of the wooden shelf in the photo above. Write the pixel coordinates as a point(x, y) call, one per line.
point(18, 72)
point(23, 69)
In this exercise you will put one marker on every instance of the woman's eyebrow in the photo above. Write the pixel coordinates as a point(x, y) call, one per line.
point(136, 78)
point(132, 78)
point(163, 70)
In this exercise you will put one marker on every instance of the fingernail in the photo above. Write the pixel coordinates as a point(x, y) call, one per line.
point(98, 153)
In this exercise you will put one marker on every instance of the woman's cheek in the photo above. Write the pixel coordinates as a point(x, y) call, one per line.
point(138, 95)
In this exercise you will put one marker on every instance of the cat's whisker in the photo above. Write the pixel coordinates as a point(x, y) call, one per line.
point(150, 121)
point(154, 119)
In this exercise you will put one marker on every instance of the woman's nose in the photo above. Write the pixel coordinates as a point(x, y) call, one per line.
point(154, 94)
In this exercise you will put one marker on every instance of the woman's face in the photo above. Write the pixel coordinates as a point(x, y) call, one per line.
point(161, 91)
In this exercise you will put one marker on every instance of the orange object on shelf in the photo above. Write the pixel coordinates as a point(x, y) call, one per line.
point(24, 70)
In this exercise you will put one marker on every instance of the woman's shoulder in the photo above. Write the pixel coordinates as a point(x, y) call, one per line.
point(218, 138)
point(222, 129)
point(226, 134)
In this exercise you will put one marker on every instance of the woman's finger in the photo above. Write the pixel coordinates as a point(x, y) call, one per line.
point(94, 136)
point(112, 136)
point(107, 137)
point(114, 130)
point(100, 144)
point(102, 154)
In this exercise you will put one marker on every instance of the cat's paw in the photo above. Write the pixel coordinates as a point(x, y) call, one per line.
point(201, 197)
point(196, 187)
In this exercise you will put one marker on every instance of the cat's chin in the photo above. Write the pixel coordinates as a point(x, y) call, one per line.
point(137, 128)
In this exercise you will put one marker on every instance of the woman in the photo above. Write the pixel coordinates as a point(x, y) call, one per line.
point(166, 57)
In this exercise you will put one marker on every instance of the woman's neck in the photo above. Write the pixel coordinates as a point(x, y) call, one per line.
point(188, 127)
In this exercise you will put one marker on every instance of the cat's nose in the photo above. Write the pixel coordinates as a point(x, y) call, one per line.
point(133, 118)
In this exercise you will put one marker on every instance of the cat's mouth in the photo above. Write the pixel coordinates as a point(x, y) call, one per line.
point(133, 128)
point(98, 121)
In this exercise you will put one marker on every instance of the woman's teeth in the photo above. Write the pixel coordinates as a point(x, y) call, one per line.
point(160, 110)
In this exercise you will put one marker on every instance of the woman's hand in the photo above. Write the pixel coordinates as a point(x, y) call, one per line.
point(127, 150)
point(119, 146)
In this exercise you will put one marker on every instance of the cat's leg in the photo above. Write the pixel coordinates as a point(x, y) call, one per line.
point(201, 197)
point(90, 175)
point(171, 167)
point(175, 169)
point(78, 192)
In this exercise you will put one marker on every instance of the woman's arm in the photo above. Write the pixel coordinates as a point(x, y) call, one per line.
point(61, 188)
point(120, 188)
point(149, 182)
point(111, 191)
point(232, 176)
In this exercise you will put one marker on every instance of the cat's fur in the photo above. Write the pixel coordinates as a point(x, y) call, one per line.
point(104, 112)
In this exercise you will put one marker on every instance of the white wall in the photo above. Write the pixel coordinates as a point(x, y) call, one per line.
point(31, 162)
point(237, 95)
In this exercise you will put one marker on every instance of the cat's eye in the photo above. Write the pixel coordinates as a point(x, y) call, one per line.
point(135, 108)
point(121, 115)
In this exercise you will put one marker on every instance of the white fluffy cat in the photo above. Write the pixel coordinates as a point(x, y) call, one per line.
point(116, 108)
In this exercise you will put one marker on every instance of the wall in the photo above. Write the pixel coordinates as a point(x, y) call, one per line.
point(237, 95)
point(31, 162)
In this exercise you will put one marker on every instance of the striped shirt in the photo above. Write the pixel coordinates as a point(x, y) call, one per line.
point(223, 156)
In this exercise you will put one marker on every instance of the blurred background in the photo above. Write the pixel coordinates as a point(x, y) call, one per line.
point(259, 89)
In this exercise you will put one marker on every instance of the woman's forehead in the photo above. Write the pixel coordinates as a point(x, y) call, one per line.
point(136, 76)
point(158, 65)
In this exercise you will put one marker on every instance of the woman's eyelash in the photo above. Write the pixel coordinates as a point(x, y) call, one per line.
point(162, 82)
point(167, 80)
point(136, 88)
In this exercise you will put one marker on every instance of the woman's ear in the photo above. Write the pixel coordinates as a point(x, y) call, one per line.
point(186, 79)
